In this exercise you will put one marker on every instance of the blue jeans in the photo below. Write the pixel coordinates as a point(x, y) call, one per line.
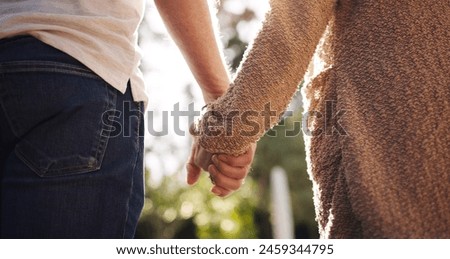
point(71, 148)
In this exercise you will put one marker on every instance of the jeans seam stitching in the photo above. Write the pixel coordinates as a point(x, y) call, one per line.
point(33, 165)
point(45, 66)
point(14, 125)
point(96, 152)
point(138, 153)
point(97, 149)
point(103, 140)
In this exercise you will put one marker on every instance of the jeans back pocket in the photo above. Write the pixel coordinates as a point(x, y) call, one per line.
point(55, 109)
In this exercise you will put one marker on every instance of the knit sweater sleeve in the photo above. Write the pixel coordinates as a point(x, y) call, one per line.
point(267, 78)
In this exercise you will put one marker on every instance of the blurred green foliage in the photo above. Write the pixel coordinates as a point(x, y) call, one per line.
point(174, 210)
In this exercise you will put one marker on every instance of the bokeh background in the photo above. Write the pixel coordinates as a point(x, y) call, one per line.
point(172, 208)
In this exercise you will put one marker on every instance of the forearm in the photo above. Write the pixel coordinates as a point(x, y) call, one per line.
point(270, 74)
point(190, 25)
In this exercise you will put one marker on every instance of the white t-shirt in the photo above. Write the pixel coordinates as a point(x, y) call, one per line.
point(100, 34)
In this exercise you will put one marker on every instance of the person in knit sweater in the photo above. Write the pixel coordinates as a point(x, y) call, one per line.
point(71, 110)
point(380, 163)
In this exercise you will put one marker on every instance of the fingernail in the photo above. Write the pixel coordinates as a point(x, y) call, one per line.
point(214, 159)
point(222, 158)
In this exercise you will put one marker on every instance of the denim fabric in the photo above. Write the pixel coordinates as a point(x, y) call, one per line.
point(71, 148)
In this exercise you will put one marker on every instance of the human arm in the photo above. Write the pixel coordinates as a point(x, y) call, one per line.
point(270, 73)
point(227, 172)
point(190, 25)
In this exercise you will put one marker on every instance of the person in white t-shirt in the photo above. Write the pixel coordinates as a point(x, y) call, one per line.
point(71, 110)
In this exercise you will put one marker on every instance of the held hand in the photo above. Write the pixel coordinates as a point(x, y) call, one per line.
point(227, 172)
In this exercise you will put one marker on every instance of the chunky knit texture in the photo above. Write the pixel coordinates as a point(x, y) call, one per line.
point(380, 162)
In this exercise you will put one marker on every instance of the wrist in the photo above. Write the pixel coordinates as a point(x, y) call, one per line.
point(209, 97)
point(212, 92)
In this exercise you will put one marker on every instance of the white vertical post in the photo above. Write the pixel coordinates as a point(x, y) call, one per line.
point(282, 218)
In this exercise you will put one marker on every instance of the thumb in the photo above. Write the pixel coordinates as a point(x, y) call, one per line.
point(193, 171)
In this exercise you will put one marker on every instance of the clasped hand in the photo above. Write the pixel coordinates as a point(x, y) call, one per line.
point(227, 172)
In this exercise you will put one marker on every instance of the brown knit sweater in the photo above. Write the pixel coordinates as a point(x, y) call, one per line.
point(379, 152)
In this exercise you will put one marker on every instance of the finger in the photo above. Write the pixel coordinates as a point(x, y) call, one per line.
point(236, 161)
point(193, 171)
point(237, 173)
point(219, 191)
point(202, 157)
point(223, 181)
point(241, 160)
